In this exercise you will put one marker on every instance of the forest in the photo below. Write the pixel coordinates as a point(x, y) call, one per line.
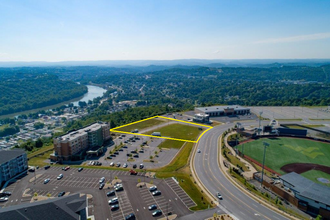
point(26, 91)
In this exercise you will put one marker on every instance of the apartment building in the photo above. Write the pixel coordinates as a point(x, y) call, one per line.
point(12, 163)
point(79, 141)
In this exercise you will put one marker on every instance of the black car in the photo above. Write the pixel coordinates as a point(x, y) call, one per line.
point(111, 193)
point(109, 157)
point(46, 167)
point(121, 149)
point(130, 217)
point(141, 151)
point(61, 194)
point(80, 169)
point(116, 152)
point(5, 194)
point(133, 151)
point(136, 155)
point(134, 166)
point(101, 186)
point(113, 155)
point(124, 146)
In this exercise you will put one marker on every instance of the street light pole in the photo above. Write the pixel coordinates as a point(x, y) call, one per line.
point(263, 162)
point(260, 113)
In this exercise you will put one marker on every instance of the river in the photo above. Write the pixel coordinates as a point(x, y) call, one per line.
point(93, 92)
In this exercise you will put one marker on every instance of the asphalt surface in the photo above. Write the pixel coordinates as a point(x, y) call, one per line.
point(131, 199)
point(234, 201)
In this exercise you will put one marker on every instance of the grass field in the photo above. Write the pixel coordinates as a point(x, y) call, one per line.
point(309, 126)
point(282, 151)
point(141, 125)
point(314, 174)
point(180, 131)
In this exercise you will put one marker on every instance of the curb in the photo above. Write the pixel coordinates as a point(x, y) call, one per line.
point(242, 189)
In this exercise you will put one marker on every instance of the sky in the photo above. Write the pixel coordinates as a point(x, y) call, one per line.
point(68, 30)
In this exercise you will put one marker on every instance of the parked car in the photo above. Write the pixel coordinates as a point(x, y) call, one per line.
point(113, 201)
point(152, 207)
point(118, 164)
point(141, 166)
point(66, 168)
point(130, 217)
point(111, 193)
point(124, 146)
point(80, 169)
point(101, 186)
point(119, 188)
point(112, 163)
point(46, 167)
point(157, 213)
point(61, 194)
point(102, 180)
point(133, 151)
point(60, 176)
point(116, 152)
point(156, 193)
point(63, 168)
point(109, 157)
point(46, 181)
point(219, 195)
point(134, 166)
point(125, 165)
point(6, 193)
point(133, 172)
point(136, 155)
point(141, 151)
point(152, 188)
point(114, 207)
point(3, 199)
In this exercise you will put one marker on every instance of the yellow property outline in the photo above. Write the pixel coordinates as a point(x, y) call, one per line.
point(176, 139)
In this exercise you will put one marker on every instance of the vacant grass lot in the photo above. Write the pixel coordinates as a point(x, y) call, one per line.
point(142, 125)
point(314, 174)
point(180, 131)
point(282, 151)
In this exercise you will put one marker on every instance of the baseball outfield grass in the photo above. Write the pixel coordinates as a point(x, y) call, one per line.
point(314, 174)
point(282, 151)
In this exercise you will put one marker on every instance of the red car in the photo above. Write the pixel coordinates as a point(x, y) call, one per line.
point(133, 172)
point(66, 168)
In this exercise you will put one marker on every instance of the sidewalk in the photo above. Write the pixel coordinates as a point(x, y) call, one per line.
point(252, 170)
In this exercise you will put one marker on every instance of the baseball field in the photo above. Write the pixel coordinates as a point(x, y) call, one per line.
point(283, 155)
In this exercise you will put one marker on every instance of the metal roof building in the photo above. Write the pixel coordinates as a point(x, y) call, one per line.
point(223, 110)
point(312, 194)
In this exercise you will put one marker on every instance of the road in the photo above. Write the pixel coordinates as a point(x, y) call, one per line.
point(234, 201)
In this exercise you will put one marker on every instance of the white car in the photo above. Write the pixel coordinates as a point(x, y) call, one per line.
point(219, 195)
point(112, 164)
point(3, 199)
point(199, 150)
point(125, 165)
point(46, 181)
point(102, 180)
point(60, 176)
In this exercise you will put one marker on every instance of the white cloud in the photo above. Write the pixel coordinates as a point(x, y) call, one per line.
point(3, 54)
point(309, 37)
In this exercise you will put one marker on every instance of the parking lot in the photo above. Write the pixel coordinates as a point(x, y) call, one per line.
point(180, 193)
point(137, 153)
point(130, 200)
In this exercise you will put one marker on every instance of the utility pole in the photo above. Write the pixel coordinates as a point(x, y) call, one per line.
point(263, 163)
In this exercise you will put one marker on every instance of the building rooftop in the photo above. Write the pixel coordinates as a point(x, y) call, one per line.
point(83, 131)
point(220, 108)
point(307, 188)
point(65, 207)
point(7, 155)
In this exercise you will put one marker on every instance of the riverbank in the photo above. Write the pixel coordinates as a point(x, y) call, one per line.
point(93, 92)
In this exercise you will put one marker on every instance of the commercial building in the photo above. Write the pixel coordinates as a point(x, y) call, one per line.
point(78, 141)
point(12, 163)
point(312, 197)
point(71, 207)
point(230, 110)
point(203, 118)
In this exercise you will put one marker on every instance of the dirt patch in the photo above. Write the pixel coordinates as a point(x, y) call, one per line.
point(304, 167)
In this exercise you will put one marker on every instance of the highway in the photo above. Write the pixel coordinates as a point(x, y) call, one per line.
point(234, 201)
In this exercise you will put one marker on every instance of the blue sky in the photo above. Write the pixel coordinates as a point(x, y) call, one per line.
point(163, 30)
